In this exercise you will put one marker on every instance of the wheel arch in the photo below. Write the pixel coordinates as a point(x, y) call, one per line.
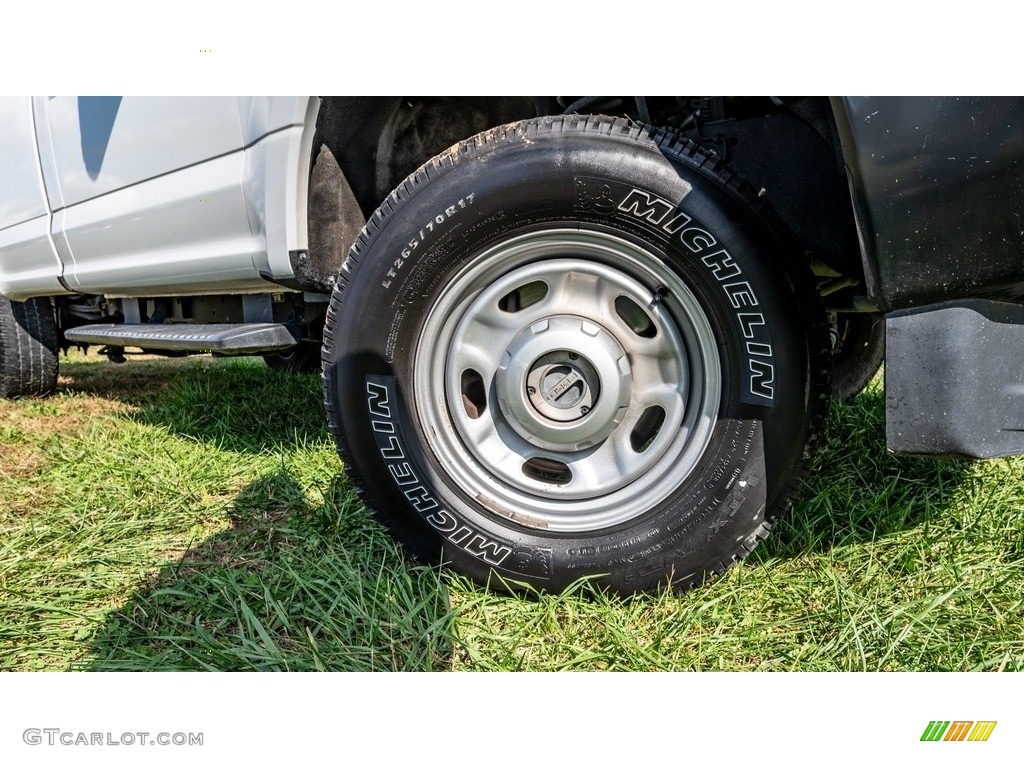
point(788, 147)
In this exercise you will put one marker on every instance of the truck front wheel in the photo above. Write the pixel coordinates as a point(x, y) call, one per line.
point(576, 347)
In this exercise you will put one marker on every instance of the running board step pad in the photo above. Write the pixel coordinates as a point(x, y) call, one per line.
point(229, 338)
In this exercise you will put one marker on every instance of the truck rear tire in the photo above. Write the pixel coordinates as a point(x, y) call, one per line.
point(576, 347)
point(28, 348)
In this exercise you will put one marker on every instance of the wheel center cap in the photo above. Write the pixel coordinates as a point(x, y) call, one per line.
point(562, 386)
point(564, 383)
point(569, 389)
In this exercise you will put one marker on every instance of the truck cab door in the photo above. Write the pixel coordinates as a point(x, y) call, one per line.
point(147, 193)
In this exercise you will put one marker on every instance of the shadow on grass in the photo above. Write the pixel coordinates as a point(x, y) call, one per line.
point(238, 404)
point(138, 382)
point(857, 491)
point(242, 406)
point(291, 585)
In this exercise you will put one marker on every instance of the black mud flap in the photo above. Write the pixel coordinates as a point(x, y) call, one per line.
point(954, 379)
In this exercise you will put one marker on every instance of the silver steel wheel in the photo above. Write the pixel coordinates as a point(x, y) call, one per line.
point(567, 380)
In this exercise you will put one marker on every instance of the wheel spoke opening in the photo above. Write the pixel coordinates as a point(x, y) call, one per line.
point(474, 393)
point(547, 470)
point(635, 318)
point(524, 296)
point(647, 428)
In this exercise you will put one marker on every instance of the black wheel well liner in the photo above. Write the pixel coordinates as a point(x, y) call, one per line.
point(787, 147)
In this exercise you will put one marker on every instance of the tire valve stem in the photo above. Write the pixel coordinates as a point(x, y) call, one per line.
point(659, 294)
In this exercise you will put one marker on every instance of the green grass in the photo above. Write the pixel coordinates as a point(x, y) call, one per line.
point(153, 516)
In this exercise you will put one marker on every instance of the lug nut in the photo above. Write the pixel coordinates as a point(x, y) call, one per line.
point(531, 391)
point(573, 356)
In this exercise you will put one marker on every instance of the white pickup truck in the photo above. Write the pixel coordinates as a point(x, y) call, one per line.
point(560, 337)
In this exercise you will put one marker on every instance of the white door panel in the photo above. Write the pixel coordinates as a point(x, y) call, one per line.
point(21, 189)
point(150, 194)
point(164, 235)
point(104, 143)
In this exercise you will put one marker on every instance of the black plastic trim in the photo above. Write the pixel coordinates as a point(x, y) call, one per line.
point(954, 379)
